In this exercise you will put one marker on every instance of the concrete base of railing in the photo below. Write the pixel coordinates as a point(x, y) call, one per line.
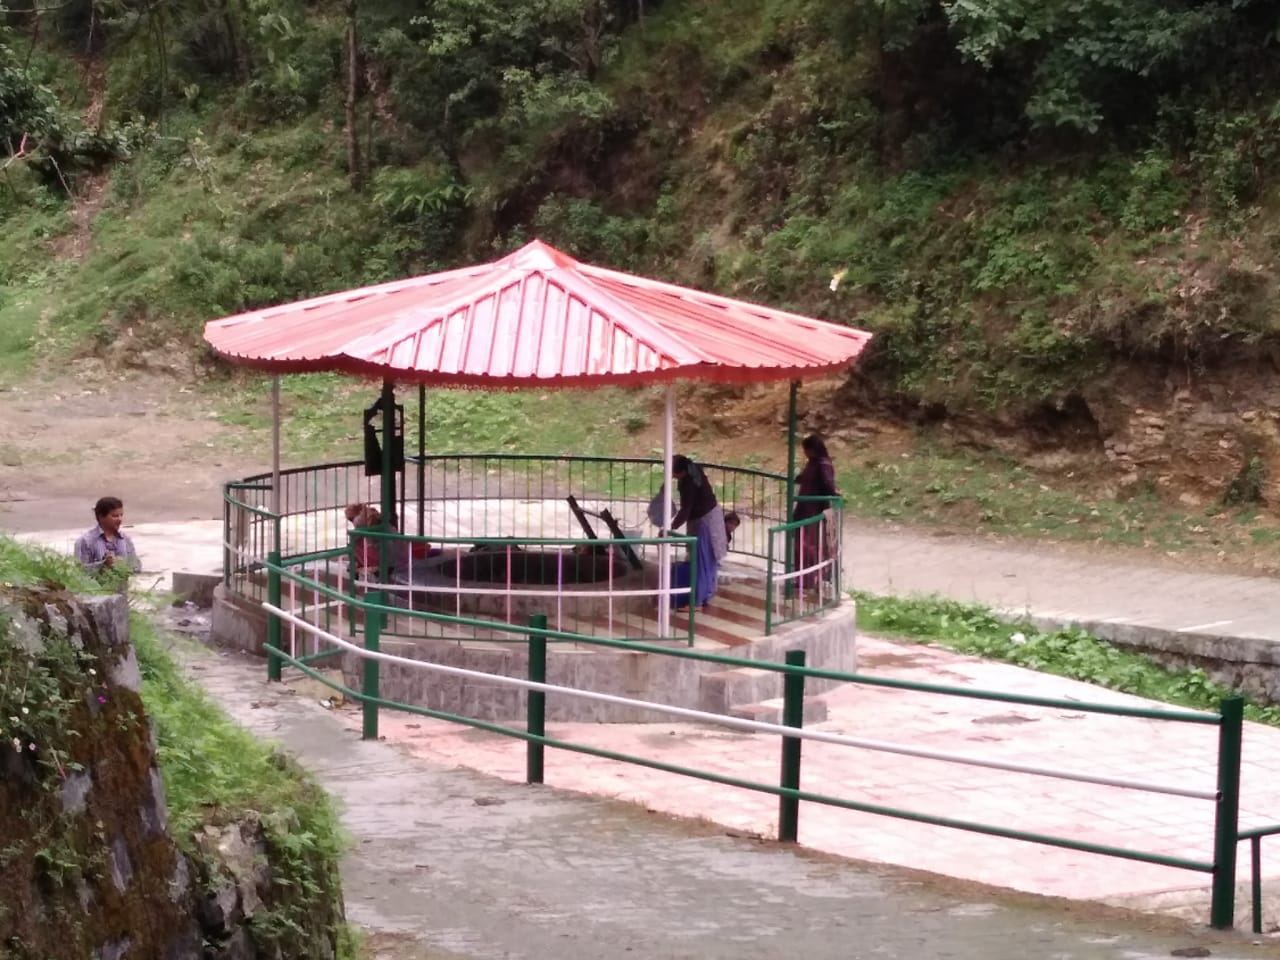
point(1192, 903)
point(829, 640)
point(237, 622)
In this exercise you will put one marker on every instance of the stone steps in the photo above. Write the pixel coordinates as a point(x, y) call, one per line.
point(770, 711)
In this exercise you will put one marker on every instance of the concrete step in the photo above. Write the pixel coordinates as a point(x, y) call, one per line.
point(770, 711)
point(721, 691)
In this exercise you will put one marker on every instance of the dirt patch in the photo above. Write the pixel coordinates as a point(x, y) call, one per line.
point(65, 441)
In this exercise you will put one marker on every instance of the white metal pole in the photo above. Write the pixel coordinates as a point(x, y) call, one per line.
point(275, 446)
point(664, 551)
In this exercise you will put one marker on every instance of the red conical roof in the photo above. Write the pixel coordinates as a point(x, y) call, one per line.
point(537, 317)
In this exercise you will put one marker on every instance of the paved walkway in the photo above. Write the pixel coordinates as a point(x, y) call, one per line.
point(1152, 751)
point(1060, 583)
point(480, 869)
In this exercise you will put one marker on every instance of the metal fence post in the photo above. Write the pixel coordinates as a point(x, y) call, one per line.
point(1227, 823)
point(273, 622)
point(792, 716)
point(226, 535)
point(1255, 881)
point(768, 586)
point(788, 514)
point(372, 637)
point(537, 701)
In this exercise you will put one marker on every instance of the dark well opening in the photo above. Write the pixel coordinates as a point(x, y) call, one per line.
point(583, 565)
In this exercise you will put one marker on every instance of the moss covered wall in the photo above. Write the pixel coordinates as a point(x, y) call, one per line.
point(90, 867)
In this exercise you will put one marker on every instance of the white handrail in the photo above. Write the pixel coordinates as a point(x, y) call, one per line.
point(754, 726)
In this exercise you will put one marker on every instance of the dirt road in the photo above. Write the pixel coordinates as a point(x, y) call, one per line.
point(147, 440)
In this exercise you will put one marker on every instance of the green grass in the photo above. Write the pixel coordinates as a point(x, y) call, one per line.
point(215, 770)
point(935, 485)
point(978, 631)
point(323, 415)
point(211, 766)
point(24, 565)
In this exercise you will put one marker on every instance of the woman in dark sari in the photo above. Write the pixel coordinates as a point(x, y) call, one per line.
point(817, 479)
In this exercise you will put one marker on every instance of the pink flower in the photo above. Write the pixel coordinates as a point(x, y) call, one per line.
point(102, 699)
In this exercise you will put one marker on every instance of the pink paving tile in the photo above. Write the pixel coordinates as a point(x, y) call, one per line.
point(1148, 750)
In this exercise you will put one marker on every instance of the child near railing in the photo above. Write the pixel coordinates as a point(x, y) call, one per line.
point(361, 515)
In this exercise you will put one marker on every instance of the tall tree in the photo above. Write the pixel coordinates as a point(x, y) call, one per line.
point(354, 170)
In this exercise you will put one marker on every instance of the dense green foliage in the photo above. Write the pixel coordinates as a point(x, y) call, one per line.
point(1016, 194)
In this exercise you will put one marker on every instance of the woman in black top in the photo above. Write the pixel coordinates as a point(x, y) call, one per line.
point(817, 479)
point(701, 511)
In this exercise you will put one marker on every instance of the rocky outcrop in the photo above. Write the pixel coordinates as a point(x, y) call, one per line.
point(90, 867)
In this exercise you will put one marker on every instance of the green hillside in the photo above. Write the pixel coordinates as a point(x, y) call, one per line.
point(1058, 216)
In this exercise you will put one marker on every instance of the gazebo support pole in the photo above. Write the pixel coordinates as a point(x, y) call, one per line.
point(422, 453)
point(388, 476)
point(275, 448)
point(791, 482)
point(664, 551)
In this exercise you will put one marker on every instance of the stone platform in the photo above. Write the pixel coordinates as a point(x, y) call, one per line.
point(734, 625)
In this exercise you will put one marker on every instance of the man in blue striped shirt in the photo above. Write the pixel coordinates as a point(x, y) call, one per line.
point(105, 546)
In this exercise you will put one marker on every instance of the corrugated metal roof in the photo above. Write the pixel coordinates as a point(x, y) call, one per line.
point(534, 318)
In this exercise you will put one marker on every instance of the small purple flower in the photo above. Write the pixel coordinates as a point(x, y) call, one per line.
point(102, 699)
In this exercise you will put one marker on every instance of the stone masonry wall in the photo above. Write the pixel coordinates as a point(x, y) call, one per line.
point(90, 870)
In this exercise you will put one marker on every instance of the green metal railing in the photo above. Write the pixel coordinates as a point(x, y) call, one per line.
point(532, 574)
point(789, 789)
point(803, 567)
point(503, 500)
point(1254, 835)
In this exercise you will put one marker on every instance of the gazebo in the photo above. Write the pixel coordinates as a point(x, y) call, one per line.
point(535, 318)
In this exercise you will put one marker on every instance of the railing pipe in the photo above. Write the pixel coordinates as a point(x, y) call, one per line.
point(1255, 881)
point(792, 716)
point(273, 620)
point(372, 638)
point(1227, 822)
point(1066, 843)
point(536, 721)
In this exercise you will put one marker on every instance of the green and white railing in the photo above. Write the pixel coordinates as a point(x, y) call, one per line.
point(803, 569)
point(1221, 798)
point(508, 502)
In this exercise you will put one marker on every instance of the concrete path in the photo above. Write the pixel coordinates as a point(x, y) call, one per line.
point(1150, 751)
point(473, 867)
point(1059, 583)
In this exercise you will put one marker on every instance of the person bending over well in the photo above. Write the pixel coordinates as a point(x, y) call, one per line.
point(701, 511)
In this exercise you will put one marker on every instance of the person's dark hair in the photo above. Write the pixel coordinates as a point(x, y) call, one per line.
point(682, 464)
point(106, 505)
point(731, 523)
point(814, 446)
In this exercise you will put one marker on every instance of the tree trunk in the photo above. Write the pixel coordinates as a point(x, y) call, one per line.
point(353, 83)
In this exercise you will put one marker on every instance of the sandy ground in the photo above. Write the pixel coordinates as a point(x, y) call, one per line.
point(66, 442)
